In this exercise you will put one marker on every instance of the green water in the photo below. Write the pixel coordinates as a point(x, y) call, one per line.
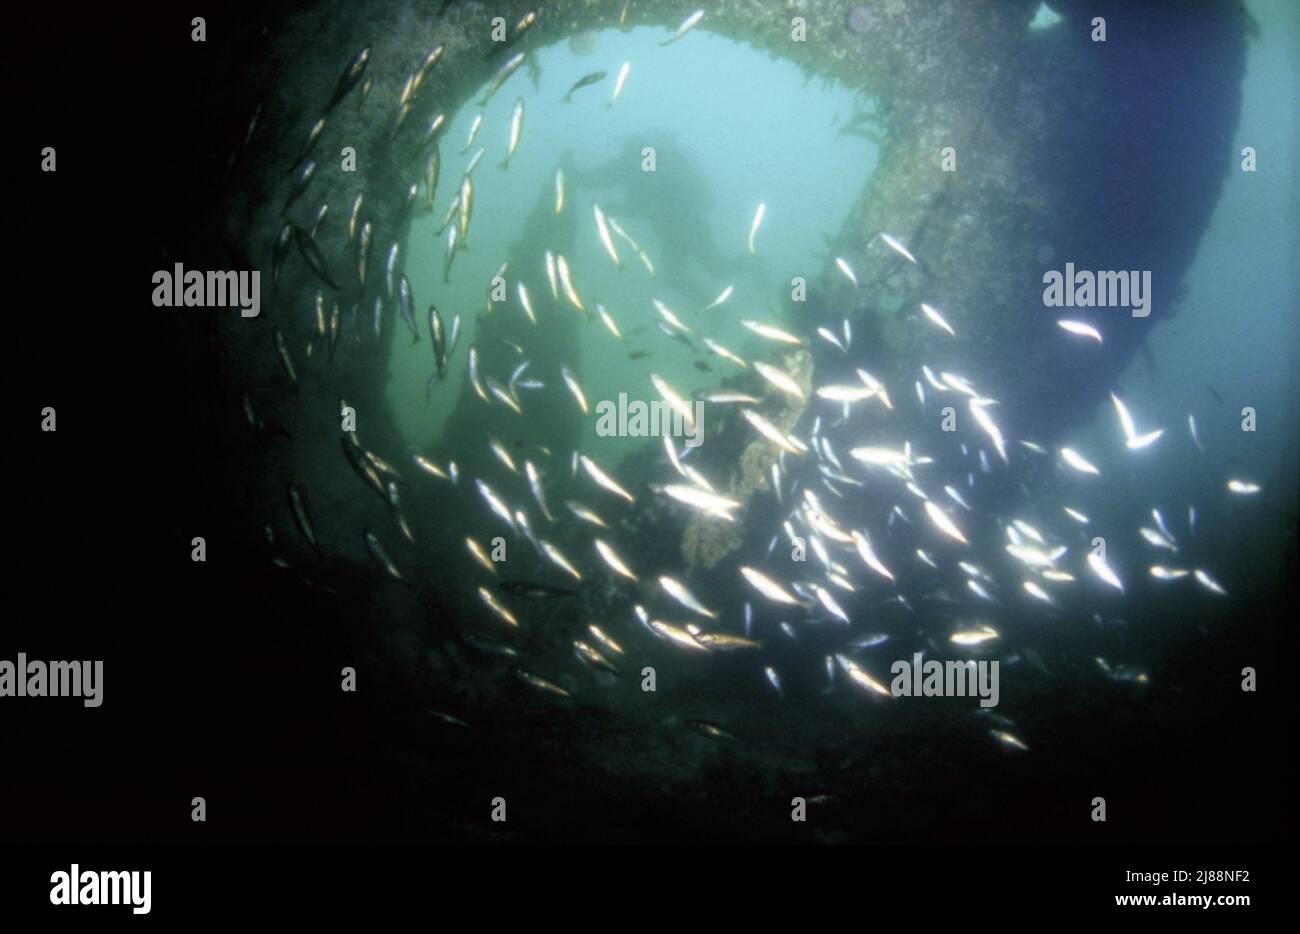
point(729, 129)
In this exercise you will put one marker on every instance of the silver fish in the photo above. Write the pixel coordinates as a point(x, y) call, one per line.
point(406, 305)
point(381, 556)
point(300, 518)
point(363, 252)
point(508, 69)
point(312, 254)
point(687, 25)
point(348, 80)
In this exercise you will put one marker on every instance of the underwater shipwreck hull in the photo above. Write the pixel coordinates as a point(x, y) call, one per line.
point(1031, 192)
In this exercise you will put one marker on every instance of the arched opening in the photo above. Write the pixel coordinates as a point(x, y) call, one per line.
point(679, 177)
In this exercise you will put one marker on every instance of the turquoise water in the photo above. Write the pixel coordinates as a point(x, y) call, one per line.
point(730, 129)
